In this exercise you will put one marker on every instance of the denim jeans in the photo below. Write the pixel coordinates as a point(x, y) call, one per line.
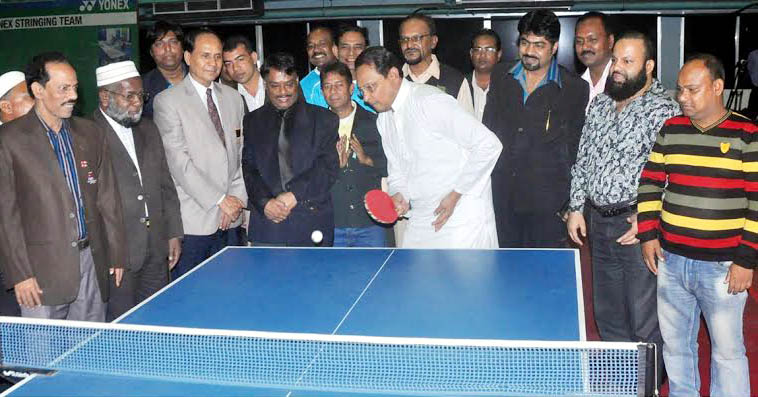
point(371, 236)
point(685, 288)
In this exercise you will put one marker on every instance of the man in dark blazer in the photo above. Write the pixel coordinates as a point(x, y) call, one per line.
point(152, 217)
point(361, 159)
point(536, 108)
point(61, 227)
point(289, 162)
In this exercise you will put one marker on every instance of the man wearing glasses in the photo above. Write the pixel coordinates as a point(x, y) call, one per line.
point(418, 37)
point(152, 218)
point(485, 54)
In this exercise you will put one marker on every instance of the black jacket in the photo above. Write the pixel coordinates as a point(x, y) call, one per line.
point(312, 134)
point(540, 139)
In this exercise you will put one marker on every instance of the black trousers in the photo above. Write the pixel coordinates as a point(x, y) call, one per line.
point(8, 303)
point(137, 286)
point(624, 289)
point(530, 230)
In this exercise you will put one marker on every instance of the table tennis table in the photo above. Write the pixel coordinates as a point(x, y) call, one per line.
point(502, 294)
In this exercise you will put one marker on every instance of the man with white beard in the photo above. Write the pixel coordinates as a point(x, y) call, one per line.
point(151, 214)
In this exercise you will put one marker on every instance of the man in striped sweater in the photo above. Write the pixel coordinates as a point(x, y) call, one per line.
point(698, 221)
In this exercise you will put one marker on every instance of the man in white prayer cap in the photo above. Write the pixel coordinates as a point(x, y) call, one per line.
point(14, 96)
point(152, 218)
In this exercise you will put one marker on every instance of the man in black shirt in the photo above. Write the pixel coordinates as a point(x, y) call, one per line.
point(167, 50)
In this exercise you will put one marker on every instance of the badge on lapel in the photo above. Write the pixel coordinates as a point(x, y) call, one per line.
point(83, 163)
point(91, 178)
point(724, 147)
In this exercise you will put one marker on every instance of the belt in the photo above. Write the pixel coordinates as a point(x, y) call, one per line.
point(610, 210)
point(82, 244)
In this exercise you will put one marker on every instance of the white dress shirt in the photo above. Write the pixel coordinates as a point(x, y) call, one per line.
point(433, 147)
point(596, 88)
point(126, 136)
point(253, 101)
point(480, 97)
point(201, 90)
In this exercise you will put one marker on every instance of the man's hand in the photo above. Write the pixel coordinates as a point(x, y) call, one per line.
point(118, 273)
point(288, 198)
point(231, 207)
point(401, 204)
point(630, 237)
point(174, 252)
point(738, 278)
point(342, 152)
point(445, 210)
point(363, 158)
point(276, 211)
point(28, 293)
point(576, 225)
point(651, 251)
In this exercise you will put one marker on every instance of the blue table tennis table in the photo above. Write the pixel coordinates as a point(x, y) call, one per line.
point(459, 294)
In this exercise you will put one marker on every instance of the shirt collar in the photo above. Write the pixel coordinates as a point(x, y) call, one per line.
point(476, 86)
point(553, 73)
point(201, 89)
point(241, 88)
point(64, 124)
point(586, 75)
point(433, 70)
point(114, 124)
point(402, 95)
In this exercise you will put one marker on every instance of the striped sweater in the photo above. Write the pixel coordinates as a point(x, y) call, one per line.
point(698, 191)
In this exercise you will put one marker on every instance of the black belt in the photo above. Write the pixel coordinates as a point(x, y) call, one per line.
point(82, 244)
point(610, 210)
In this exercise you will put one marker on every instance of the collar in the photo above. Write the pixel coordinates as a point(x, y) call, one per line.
point(201, 89)
point(64, 123)
point(476, 86)
point(553, 73)
point(241, 88)
point(352, 114)
point(114, 124)
point(402, 95)
point(586, 75)
point(433, 70)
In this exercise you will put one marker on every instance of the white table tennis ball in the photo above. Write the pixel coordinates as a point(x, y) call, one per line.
point(317, 236)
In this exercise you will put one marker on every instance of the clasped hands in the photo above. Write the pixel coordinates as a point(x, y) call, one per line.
point(278, 209)
point(231, 208)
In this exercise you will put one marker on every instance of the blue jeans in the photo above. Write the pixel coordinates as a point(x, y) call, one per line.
point(370, 236)
point(685, 288)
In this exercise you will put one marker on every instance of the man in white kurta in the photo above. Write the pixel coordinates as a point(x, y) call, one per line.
point(439, 156)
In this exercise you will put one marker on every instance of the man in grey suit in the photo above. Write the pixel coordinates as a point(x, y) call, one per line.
point(61, 228)
point(148, 196)
point(199, 121)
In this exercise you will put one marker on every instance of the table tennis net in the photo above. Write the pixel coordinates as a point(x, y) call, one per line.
point(326, 362)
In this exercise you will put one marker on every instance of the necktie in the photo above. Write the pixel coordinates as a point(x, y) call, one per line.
point(215, 118)
point(285, 161)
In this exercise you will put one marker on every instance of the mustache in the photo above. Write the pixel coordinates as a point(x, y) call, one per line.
point(587, 52)
point(531, 57)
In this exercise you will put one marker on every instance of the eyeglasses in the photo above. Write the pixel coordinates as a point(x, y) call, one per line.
point(133, 97)
point(412, 39)
point(485, 50)
point(368, 88)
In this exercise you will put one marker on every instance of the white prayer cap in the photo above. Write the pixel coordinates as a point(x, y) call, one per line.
point(10, 80)
point(115, 72)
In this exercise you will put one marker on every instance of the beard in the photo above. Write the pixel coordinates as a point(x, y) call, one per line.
point(414, 61)
point(622, 91)
point(530, 66)
point(122, 116)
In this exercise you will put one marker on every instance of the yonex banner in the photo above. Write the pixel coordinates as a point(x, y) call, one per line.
point(90, 33)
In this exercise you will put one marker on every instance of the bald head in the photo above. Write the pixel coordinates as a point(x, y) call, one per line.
point(700, 90)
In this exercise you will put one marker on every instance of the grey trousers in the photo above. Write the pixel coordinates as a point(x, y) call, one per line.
point(88, 305)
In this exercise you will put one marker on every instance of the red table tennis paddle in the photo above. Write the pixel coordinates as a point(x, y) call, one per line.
point(380, 207)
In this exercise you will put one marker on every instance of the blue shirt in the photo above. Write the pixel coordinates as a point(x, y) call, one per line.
point(311, 85)
point(64, 153)
point(553, 75)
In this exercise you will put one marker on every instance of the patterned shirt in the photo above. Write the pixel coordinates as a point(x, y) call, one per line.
point(698, 192)
point(63, 149)
point(615, 146)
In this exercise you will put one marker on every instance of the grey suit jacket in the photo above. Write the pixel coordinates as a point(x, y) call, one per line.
point(156, 189)
point(38, 231)
point(203, 169)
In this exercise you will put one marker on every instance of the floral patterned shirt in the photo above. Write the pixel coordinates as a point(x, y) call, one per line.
point(615, 146)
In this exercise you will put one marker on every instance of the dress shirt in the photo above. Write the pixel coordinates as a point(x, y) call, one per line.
point(464, 95)
point(519, 73)
point(311, 85)
point(346, 124)
point(615, 146)
point(480, 97)
point(126, 136)
point(63, 149)
point(596, 88)
point(253, 101)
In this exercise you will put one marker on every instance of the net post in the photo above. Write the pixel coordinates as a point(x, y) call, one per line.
point(647, 382)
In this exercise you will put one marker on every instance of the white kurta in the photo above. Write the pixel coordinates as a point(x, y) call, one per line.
point(433, 147)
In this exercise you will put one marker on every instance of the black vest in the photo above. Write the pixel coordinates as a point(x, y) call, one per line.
point(450, 80)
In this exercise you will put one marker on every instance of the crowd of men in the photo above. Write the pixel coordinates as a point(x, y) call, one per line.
point(98, 213)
